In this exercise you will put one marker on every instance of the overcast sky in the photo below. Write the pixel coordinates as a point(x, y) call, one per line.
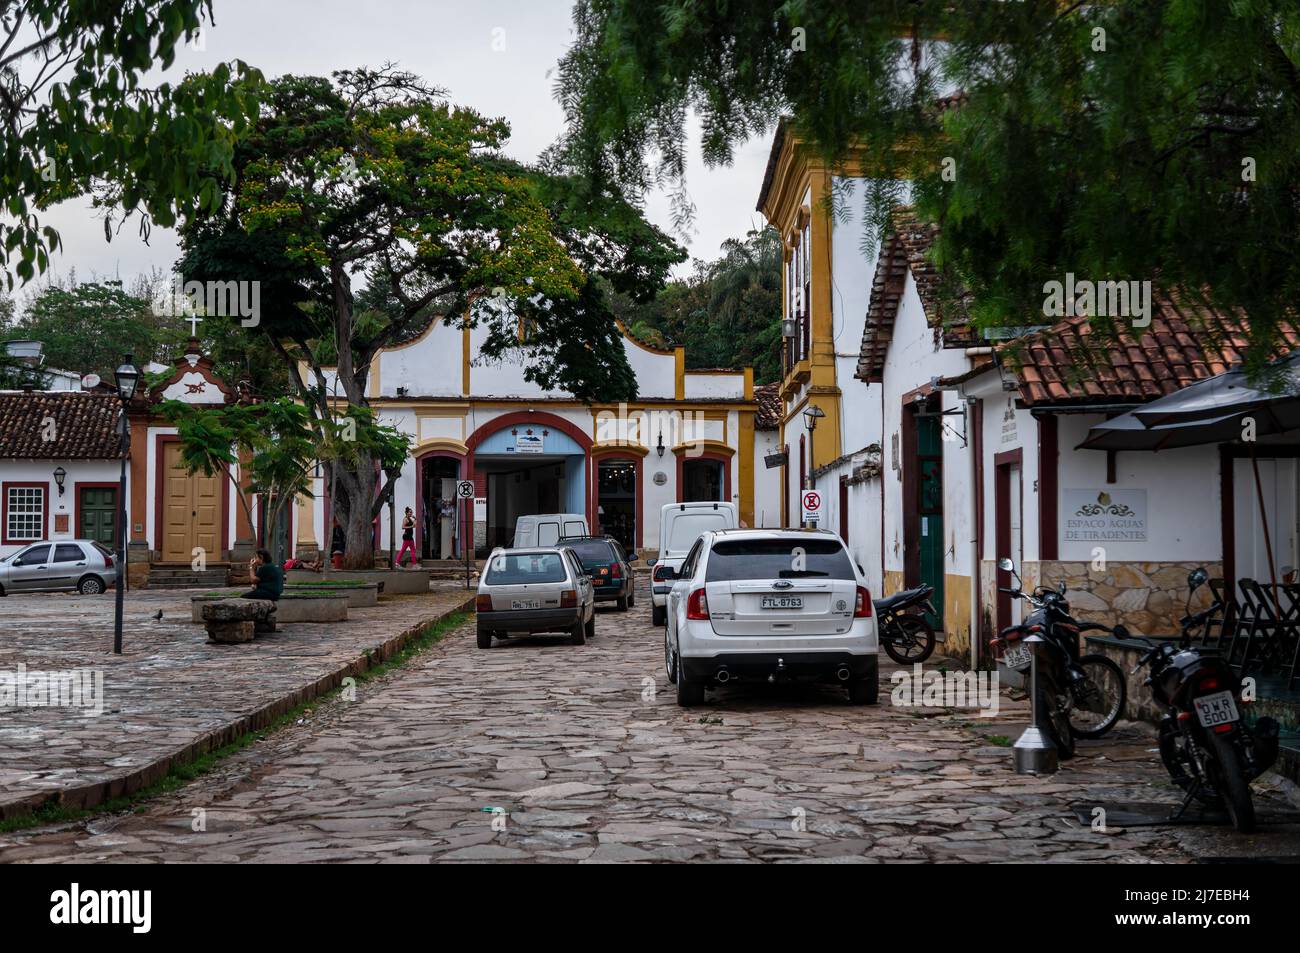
point(451, 45)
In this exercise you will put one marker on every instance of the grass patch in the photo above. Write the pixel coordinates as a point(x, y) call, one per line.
point(51, 812)
point(329, 584)
point(1002, 741)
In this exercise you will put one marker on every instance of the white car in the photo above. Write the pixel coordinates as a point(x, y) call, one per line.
point(680, 525)
point(770, 605)
point(539, 589)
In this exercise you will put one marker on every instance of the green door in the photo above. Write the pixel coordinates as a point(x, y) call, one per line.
point(929, 497)
point(98, 514)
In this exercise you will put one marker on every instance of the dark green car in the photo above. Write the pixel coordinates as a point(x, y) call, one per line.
point(608, 566)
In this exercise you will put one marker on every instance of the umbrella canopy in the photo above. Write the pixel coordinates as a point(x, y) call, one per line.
point(1277, 395)
point(1127, 432)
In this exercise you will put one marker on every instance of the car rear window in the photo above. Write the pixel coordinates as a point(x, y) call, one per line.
point(513, 570)
point(686, 528)
point(593, 552)
point(778, 559)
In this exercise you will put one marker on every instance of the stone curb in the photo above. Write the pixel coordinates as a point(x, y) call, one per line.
point(90, 794)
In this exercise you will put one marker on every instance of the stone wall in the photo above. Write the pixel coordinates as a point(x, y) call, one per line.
point(1148, 597)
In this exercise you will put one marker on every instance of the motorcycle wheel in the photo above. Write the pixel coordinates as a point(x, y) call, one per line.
point(1053, 720)
point(1170, 747)
point(911, 640)
point(1227, 774)
point(1097, 701)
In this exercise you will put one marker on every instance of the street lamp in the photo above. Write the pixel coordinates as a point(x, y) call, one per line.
point(811, 416)
point(60, 475)
point(127, 376)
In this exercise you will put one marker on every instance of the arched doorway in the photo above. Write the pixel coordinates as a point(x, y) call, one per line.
point(526, 463)
point(703, 477)
point(618, 498)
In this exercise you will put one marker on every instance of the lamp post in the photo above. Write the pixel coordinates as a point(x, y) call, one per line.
point(127, 376)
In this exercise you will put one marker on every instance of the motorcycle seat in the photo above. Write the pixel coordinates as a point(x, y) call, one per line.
point(906, 597)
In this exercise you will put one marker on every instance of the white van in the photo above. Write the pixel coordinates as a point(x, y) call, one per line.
point(680, 525)
point(547, 529)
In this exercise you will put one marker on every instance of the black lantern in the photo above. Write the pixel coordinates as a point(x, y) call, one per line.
point(127, 377)
point(60, 475)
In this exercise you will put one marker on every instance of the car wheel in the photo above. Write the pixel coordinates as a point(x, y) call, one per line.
point(631, 599)
point(689, 693)
point(670, 662)
point(622, 603)
point(864, 691)
point(578, 634)
point(658, 615)
point(591, 626)
point(484, 639)
point(90, 586)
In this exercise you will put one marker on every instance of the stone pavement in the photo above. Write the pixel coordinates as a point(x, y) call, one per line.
point(538, 750)
point(170, 693)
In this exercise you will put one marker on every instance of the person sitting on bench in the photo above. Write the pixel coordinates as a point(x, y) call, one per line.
point(266, 577)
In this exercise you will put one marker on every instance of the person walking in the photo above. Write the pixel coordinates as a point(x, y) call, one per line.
point(408, 537)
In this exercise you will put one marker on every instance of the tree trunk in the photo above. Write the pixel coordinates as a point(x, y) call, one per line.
point(352, 507)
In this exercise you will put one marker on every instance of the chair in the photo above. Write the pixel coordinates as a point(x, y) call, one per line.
point(1245, 611)
point(1268, 626)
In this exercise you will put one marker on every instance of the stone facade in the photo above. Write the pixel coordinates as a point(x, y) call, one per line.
point(1147, 597)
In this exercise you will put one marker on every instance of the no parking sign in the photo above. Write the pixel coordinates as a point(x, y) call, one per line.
point(812, 507)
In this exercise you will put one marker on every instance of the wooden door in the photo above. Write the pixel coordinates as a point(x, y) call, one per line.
point(191, 510)
point(98, 515)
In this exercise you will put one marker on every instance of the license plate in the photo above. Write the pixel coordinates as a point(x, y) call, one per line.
point(525, 603)
point(1017, 657)
point(782, 602)
point(1217, 709)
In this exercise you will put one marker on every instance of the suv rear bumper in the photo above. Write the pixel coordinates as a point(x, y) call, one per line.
point(531, 620)
point(788, 666)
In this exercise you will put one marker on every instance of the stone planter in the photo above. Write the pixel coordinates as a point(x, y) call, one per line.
point(393, 582)
point(292, 607)
point(359, 596)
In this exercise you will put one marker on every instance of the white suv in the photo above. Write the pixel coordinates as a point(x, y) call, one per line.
point(770, 605)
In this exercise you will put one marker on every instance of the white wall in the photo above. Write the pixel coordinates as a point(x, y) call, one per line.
point(79, 471)
point(767, 483)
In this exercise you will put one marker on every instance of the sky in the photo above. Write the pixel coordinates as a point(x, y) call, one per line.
point(492, 55)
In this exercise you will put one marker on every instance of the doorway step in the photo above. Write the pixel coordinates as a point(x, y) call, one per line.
point(183, 576)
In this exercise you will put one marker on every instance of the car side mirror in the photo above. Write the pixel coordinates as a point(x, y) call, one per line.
point(633, 558)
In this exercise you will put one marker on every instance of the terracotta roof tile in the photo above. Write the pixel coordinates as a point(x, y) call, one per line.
point(84, 426)
point(768, 416)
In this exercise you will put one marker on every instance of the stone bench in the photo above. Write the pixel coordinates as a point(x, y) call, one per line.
point(392, 582)
point(294, 605)
point(360, 595)
point(238, 620)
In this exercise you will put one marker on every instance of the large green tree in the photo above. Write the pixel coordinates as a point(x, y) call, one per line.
point(373, 178)
point(1130, 140)
point(75, 113)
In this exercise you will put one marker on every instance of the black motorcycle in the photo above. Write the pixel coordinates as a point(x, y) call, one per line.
point(1209, 751)
point(908, 638)
point(1079, 696)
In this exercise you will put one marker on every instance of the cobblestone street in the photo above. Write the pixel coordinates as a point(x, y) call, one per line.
point(537, 750)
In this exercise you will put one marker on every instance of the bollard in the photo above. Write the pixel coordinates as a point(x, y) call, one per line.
point(1034, 751)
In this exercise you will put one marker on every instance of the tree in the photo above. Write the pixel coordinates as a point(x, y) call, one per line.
point(75, 113)
point(88, 327)
point(375, 174)
point(1129, 140)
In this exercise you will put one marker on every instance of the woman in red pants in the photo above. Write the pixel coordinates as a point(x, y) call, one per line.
point(408, 537)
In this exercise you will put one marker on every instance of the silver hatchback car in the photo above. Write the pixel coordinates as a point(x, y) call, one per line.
point(82, 565)
point(539, 589)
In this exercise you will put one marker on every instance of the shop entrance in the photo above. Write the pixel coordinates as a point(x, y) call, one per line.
point(616, 501)
point(439, 527)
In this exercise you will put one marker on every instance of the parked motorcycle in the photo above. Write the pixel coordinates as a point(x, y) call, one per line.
point(1079, 696)
point(908, 638)
point(1209, 751)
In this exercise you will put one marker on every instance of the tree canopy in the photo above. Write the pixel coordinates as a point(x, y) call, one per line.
point(76, 115)
point(1127, 140)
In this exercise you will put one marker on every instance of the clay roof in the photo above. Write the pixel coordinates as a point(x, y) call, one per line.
point(906, 249)
point(768, 416)
point(1075, 362)
point(84, 425)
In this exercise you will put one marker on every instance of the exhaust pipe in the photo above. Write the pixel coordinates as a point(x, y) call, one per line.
point(722, 676)
point(843, 673)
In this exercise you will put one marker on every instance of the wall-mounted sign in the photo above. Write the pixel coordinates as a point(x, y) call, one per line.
point(528, 443)
point(774, 460)
point(812, 507)
point(1104, 516)
point(1009, 423)
point(660, 478)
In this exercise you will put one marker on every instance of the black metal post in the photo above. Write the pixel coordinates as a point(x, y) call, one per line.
point(121, 537)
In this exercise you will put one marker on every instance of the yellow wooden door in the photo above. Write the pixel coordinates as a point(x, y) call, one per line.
point(191, 510)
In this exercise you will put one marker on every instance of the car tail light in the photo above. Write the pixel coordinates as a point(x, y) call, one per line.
point(483, 603)
point(697, 606)
point(108, 562)
point(862, 608)
point(568, 599)
point(615, 572)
